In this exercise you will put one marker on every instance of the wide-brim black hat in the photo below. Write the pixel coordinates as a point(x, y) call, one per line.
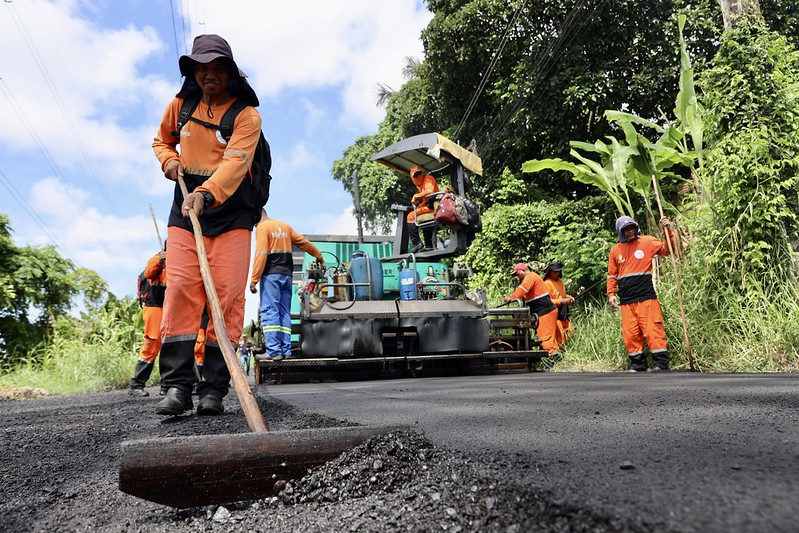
point(554, 266)
point(205, 49)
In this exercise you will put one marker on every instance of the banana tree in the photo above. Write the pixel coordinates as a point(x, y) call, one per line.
point(609, 174)
point(632, 164)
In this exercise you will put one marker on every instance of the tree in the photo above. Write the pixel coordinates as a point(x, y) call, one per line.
point(731, 9)
point(37, 285)
point(745, 231)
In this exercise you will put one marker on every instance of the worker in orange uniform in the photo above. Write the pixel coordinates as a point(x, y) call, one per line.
point(151, 313)
point(426, 184)
point(630, 287)
point(272, 269)
point(536, 295)
point(557, 293)
point(220, 192)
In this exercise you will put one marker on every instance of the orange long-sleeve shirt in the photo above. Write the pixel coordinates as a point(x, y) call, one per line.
point(203, 153)
point(630, 269)
point(155, 272)
point(425, 184)
point(557, 291)
point(273, 241)
point(535, 294)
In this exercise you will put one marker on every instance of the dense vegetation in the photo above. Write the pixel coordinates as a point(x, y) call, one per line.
point(596, 97)
point(41, 343)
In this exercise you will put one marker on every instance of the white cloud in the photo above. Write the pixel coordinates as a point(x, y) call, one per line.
point(350, 44)
point(84, 87)
point(343, 224)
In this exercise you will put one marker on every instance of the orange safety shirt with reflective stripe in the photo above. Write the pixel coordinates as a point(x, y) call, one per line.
point(155, 272)
point(535, 294)
point(273, 240)
point(426, 184)
point(630, 269)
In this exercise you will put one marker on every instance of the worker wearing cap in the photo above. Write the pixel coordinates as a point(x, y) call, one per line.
point(425, 184)
point(536, 295)
point(557, 293)
point(630, 287)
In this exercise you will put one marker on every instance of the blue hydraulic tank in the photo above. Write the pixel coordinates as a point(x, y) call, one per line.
point(365, 269)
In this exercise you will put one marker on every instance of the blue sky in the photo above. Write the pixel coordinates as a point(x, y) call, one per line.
point(83, 85)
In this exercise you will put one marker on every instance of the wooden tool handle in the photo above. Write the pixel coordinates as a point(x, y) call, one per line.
point(248, 404)
point(670, 242)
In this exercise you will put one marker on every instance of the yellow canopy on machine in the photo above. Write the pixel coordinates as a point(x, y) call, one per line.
point(431, 151)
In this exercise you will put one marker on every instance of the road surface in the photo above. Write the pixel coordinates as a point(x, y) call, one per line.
point(690, 452)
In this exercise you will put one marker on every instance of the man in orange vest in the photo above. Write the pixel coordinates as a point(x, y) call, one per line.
point(535, 294)
point(630, 287)
point(272, 270)
point(425, 184)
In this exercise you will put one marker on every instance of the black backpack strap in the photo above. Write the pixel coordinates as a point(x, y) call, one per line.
point(190, 103)
point(229, 118)
point(225, 126)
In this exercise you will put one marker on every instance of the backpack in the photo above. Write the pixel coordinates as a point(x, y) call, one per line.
point(445, 213)
point(262, 159)
point(142, 289)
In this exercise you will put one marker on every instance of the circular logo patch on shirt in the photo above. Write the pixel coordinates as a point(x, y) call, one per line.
point(220, 138)
point(639, 254)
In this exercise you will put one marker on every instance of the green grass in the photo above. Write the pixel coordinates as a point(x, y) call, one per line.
point(95, 353)
point(751, 332)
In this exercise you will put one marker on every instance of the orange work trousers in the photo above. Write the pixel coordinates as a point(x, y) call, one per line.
point(199, 348)
point(563, 331)
point(152, 333)
point(229, 262)
point(546, 331)
point(643, 322)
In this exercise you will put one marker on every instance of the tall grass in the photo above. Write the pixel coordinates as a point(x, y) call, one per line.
point(752, 332)
point(96, 353)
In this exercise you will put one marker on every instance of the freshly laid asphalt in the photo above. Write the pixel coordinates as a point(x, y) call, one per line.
point(687, 451)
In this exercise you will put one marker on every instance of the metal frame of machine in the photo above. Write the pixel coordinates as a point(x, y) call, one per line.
point(423, 318)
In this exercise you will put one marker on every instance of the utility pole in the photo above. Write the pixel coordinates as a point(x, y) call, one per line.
point(732, 9)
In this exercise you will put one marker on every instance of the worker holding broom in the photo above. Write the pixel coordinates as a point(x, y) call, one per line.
point(630, 287)
point(214, 172)
point(559, 297)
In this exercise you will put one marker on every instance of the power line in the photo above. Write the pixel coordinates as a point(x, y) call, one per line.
point(484, 80)
point(569, 29)
point(32, 213)
point(174, 29)
point(57, 97)
point(52, 163)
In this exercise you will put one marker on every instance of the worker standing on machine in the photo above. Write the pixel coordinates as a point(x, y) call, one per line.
point(272, 269)
point(536, 295)
point(425, 184)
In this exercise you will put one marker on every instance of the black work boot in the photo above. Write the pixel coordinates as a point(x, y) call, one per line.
point(210, 405)
point(176, 402)
point(141, 374)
